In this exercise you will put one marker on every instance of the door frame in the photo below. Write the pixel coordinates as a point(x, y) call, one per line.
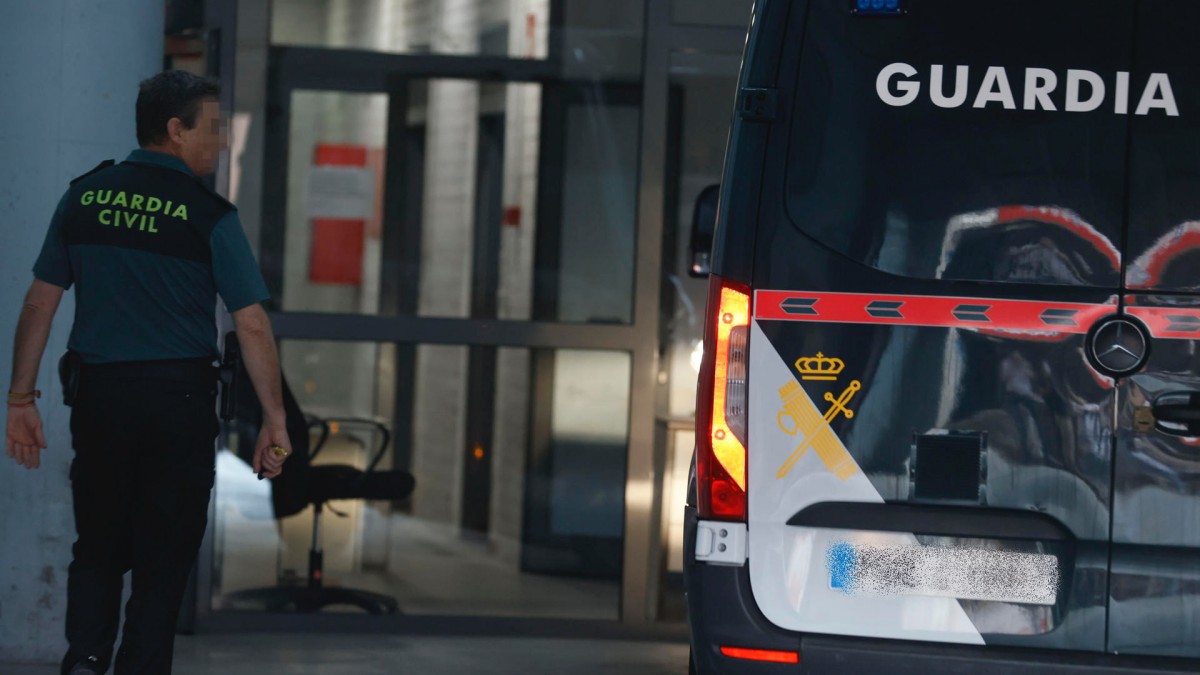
point(645, 537)
point(357, 71)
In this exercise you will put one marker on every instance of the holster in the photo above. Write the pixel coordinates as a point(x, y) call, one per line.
point(230, 373)
point(68, 374)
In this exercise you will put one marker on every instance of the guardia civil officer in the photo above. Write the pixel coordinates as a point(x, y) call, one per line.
point(148, 248)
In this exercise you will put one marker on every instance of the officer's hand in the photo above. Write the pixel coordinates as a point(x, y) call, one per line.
point(267, 462)
point(24, 436)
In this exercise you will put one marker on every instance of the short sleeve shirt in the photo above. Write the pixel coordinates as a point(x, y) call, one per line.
point(148, 249)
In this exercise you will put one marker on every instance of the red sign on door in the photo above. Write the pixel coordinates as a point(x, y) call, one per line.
point(336, 256)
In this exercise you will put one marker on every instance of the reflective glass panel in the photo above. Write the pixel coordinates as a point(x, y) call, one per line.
point(518, 458)
point(485, 200)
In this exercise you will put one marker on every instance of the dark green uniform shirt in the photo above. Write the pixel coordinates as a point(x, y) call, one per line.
point(148, 247)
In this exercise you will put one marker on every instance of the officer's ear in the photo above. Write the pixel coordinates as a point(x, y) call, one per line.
point(176, 130)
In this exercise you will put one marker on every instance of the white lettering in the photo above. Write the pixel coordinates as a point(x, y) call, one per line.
point(1122, 94)
point(995, 89)
point(900, 84)
point(1039, 82)
point(1074, 104)
point(908, 90)
point(936, 93)
point(1158, 94)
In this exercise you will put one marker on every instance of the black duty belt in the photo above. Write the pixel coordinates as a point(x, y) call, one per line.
point(197, 371)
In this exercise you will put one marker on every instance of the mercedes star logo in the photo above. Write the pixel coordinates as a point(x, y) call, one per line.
point(1119, 346)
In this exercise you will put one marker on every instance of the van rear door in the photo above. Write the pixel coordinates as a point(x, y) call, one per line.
point(1154, 602)
point(939, 240)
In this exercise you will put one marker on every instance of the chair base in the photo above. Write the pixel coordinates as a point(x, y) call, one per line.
point(303, 599)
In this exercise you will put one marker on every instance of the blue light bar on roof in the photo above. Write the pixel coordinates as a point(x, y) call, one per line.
point(877, 7)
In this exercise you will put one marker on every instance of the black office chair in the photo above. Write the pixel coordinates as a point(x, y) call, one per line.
point(303, 483)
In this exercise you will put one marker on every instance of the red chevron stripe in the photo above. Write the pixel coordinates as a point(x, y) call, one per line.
point(1178, 323)
point(992, 315)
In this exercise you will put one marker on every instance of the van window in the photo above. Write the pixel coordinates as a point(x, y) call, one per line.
point(929, 148)
point(1164, 204)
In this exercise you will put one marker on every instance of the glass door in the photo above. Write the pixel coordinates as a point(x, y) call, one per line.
point(450, 245)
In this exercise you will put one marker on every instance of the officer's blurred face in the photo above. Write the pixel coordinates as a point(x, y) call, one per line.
point(201, 146)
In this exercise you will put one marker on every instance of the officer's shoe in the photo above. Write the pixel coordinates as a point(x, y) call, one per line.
point(88, 666)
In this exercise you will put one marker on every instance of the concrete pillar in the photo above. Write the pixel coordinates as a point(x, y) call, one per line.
point(451, 137)
point(70, 69)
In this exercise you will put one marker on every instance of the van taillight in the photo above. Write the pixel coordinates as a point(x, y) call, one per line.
point(768, 655)
point(721, 403)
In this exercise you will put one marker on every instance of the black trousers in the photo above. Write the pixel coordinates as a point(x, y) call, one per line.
point(144, 467)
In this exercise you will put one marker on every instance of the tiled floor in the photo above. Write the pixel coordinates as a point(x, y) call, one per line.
point(303, 654)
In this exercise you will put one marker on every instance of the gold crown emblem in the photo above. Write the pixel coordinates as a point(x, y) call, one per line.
point(819, 367)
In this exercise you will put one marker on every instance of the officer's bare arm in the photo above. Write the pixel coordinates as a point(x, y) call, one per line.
point(33, 330)
point(261, 359)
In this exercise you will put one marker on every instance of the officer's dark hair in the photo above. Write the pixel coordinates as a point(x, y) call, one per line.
point(171, 93)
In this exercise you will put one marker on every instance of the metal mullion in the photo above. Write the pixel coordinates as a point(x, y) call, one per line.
point(447, 331)
point(399, 239)
point(547, 242)
point(643, 493)
point(272, 230)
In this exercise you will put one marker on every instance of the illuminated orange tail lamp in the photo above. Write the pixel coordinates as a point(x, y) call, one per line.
point(721, 403)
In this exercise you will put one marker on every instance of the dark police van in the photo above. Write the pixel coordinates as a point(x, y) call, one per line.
point(949, 413)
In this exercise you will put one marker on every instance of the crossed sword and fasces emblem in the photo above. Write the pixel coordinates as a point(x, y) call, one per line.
point(805, 417)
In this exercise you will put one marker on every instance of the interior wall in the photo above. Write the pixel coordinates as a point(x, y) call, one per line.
point(70, 73)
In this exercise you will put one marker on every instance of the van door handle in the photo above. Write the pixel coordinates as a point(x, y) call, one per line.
point(1178, 413)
